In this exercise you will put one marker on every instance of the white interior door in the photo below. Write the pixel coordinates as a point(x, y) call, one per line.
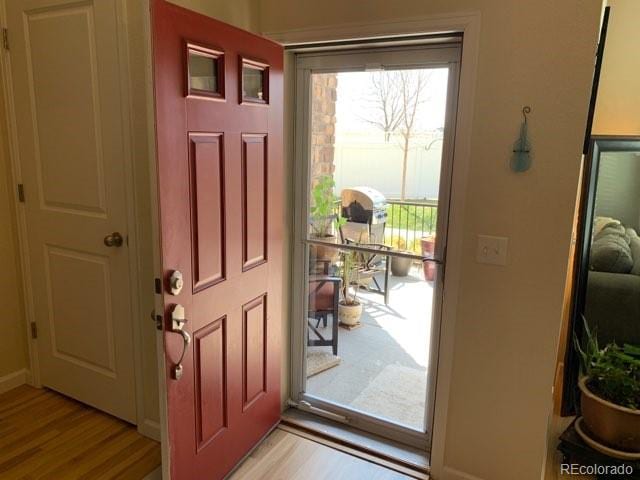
point(68, 106)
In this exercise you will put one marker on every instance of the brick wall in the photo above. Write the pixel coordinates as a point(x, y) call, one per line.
point(323, 124)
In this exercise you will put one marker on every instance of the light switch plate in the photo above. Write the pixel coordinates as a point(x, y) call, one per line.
point(492, 250)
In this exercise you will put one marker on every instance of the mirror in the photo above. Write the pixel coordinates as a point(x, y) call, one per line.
point(612, 300)
point(607, 274)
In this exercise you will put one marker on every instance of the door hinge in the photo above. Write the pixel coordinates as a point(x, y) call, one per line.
point(21, 193)
point(5, 38)
point(34, 330)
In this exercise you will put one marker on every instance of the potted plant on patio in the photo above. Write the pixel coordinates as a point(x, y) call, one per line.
point(401, 266)
point(610, 393)
point(324, 222)
point(349, 308)
point(428, 245)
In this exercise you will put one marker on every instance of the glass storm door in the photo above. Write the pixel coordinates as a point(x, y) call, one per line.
point(374, 146)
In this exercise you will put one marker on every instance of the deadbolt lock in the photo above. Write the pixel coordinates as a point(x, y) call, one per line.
point(176, 282)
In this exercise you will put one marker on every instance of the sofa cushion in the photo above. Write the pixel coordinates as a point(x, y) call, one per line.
point(611, 253)
point(599, 223)
point(634, 245)
point(613, 307)
point(616, 230)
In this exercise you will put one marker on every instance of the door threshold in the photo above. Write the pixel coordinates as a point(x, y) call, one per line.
point(374, 446)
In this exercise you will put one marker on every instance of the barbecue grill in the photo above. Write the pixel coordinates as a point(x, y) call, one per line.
point(365, 210)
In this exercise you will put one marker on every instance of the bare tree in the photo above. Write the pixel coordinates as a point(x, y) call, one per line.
point(386, 100)
point(396, 96)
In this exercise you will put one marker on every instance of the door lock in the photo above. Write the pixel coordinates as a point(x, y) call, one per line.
point(177, 326)
point(176, 282)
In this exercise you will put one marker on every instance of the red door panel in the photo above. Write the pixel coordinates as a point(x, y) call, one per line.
point(219, 154)
point(254, 345)
point(210, 381)
point(254, 200)
point(206, 172)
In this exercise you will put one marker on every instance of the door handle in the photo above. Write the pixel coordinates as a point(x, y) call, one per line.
point(114, 240)
point(177, 326)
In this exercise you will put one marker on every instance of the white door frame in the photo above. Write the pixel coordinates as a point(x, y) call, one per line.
point(158, 302)
point(469, 24)
point(145, 426)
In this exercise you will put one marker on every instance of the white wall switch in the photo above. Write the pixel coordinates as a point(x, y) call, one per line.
point(492, 250)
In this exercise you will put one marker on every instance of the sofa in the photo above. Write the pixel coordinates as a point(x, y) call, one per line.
point(612, 304)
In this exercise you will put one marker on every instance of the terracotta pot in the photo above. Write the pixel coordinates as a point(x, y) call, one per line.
point(325, 252)
point(428, 245)
point(610, 424)
point(349, 314)
point(400, 267)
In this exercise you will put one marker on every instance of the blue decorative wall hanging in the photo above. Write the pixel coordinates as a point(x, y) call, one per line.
point(521, 158)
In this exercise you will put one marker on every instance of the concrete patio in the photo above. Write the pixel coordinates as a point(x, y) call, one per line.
point(383, 364)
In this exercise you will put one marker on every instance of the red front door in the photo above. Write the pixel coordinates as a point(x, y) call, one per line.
point(218, 97)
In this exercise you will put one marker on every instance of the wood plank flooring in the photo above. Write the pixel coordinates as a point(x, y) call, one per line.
point(44, 435)
point(285, 456)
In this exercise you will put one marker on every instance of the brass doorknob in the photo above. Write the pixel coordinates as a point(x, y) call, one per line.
point(114, 240)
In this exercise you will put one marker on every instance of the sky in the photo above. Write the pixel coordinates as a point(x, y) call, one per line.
point(354, 102)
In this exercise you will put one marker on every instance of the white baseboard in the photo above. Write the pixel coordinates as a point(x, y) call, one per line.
point(150, 428)
point(15, 379)
point(453, 474)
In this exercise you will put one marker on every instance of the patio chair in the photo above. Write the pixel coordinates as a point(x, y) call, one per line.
point(324, 295)
point(371, 264)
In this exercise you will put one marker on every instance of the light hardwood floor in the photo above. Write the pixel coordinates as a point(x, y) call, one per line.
point(286, 456)
point(44, 435)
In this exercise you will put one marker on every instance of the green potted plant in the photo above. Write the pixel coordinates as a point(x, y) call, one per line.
point(324, 222)
point(349, 307)
point(610, 392)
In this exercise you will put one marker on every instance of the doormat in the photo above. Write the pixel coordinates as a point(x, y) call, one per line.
point(320, 361)
point(398, 393)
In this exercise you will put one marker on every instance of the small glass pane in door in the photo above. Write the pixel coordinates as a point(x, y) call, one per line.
point(204, 73)
point(254, 82)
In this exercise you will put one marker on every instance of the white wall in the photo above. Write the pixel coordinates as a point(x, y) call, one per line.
point(618, 95)
point(531, 53)
point(240, 13)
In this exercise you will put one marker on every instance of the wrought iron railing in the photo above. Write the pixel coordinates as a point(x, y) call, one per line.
point(408, 222)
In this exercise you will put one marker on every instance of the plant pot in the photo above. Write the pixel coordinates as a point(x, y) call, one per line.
point(400, 267)
point(610, 424)
point(428, 245)
point(325, 252)
point(349, 314)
